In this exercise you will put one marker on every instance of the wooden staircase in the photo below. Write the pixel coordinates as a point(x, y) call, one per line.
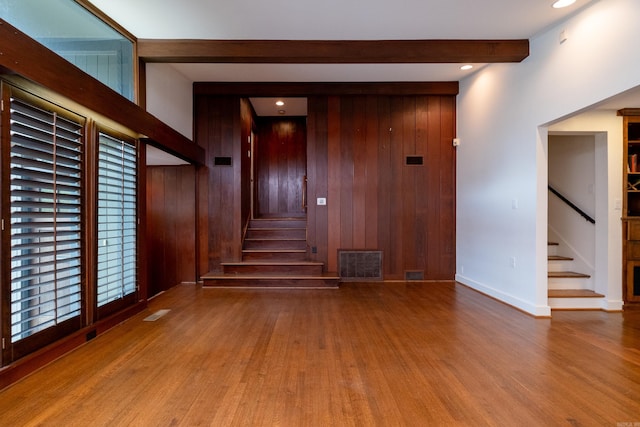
point(274, 255)
point(569, 290)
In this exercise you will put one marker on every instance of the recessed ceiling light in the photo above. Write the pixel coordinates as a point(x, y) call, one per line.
point(281, 111)
point(563, 3)
point(466, 67)
point(279, 103)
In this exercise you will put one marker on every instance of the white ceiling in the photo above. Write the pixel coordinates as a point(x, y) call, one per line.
point(332, 20)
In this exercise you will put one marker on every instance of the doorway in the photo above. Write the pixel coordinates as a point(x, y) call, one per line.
point(280, 167)
point(578, 170)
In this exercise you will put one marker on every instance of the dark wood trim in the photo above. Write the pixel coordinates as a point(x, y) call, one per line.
point(333, 51)
point(142, 84)
point(143, 250)
point(90, 189)
point(32, 362)
point(318, 89)
point(25, 57)
point(629, 112)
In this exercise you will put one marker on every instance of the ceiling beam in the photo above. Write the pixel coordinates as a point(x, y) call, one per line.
point(333, 51)
point(269, 89)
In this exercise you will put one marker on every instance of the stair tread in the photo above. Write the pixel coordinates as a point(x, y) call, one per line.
point(273, 262)
point(275, 250)
point(552, 243)
point(276, 228)
point(573, 293)
point(274, 238)
point(218, 275)
point(559, 258)
point(567, 274)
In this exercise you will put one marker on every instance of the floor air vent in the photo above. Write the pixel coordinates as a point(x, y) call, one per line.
point(360, 265)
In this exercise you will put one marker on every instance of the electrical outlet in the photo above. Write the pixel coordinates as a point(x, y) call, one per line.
point(322, 201)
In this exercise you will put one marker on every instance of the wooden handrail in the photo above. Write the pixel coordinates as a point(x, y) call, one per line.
point(572, 206)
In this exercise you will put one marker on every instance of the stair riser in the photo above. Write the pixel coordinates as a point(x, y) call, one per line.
point(561, 265)
point(568, 283)
point(275, 223)
point(275, 244)
point(284, 233)
point(576, 303)
point(274, 256)
point(278, 270)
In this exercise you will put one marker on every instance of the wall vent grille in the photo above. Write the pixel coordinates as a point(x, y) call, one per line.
point(414, 275)
point(360, 265)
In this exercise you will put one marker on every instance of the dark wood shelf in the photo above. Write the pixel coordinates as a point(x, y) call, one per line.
point(631, 205)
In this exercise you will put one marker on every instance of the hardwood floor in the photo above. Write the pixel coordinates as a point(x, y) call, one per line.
point(388, 354)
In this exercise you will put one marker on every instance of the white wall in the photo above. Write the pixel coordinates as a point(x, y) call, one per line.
point(170, 97)
point(503, 111)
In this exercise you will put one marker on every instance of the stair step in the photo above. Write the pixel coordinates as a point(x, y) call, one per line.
point(274, 255)
point(265, 268)
point(552, 243)
point(276, 233)
point(567, 280)
point(567, 275)
point(559, 258)
point(322, 281)
point(575, 299)
point(573, 293)
point(278, 223)
point(288, 244)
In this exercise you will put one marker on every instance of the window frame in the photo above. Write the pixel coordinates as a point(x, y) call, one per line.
point(12, 351)
point(129, 299)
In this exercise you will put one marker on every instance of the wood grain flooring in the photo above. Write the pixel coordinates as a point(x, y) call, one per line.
point(367, 354)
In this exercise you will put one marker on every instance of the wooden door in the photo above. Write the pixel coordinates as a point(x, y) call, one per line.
point(281, 164)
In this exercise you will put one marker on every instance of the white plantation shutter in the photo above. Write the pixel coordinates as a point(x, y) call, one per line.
point(117, 219)
point(46, 166)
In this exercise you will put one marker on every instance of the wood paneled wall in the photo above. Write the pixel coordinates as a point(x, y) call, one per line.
point(357, 150)
point(171, 233)
point(356, 157)
point(247, 126)
point(219, 129)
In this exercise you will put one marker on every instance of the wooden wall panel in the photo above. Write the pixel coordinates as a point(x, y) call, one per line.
point(374, 199)
point(171, 227)
point(333, 160)
point(246, 120)
point(218, 130)
point(345, 227)
point(317, 174)
point(372, 133)
point(356, 157)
